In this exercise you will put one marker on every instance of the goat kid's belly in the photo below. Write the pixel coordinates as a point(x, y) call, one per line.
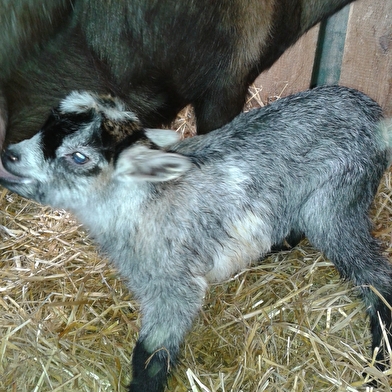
point(248, 239)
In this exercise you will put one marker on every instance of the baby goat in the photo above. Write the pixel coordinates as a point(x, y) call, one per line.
point(174, 215)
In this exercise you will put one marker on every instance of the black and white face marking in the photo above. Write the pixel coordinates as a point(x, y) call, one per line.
point(79, 110)
point(76, 153)
point(59, 125)
point(78, 140)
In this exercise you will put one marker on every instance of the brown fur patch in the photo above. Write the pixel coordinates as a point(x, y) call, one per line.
point(119, 130)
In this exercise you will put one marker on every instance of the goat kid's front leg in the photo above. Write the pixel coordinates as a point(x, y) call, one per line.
point(168, 311)
point(150, 369)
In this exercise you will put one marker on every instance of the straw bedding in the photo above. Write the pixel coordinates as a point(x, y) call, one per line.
point(68, 323)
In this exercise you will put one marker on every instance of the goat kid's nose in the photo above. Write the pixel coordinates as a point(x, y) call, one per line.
point(10, 156)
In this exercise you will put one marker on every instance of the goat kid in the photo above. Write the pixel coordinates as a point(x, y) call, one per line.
point(175, 215)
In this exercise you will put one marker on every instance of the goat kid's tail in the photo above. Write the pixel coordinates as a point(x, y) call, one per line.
point(385, 127)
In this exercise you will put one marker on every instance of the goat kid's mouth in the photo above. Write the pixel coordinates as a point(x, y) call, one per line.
point(7, 177)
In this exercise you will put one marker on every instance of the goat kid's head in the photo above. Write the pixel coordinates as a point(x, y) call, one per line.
point(88, 144)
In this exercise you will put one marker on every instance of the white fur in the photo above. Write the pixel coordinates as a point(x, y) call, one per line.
point(163, 137)
point(79, 102)
point(141, 163)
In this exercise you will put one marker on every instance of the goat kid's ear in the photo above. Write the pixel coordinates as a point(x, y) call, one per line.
point(163, 137)
point(142, 163)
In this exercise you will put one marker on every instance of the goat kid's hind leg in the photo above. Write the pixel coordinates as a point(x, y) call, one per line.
point(168, 310)
point(346, 240)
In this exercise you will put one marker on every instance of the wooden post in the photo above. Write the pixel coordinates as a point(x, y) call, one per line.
point(330, 48)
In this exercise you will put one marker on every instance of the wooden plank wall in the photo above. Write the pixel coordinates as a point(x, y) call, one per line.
point(292, 72)
point(367, 59)
point(366, 63)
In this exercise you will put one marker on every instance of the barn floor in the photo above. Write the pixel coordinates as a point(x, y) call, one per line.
point(68, 323)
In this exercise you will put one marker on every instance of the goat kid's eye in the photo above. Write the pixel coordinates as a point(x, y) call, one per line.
point(79, 158)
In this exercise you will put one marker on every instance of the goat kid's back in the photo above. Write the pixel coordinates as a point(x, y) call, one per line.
point(173, 217)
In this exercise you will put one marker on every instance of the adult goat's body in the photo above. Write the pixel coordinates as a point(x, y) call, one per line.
point(157, 56)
